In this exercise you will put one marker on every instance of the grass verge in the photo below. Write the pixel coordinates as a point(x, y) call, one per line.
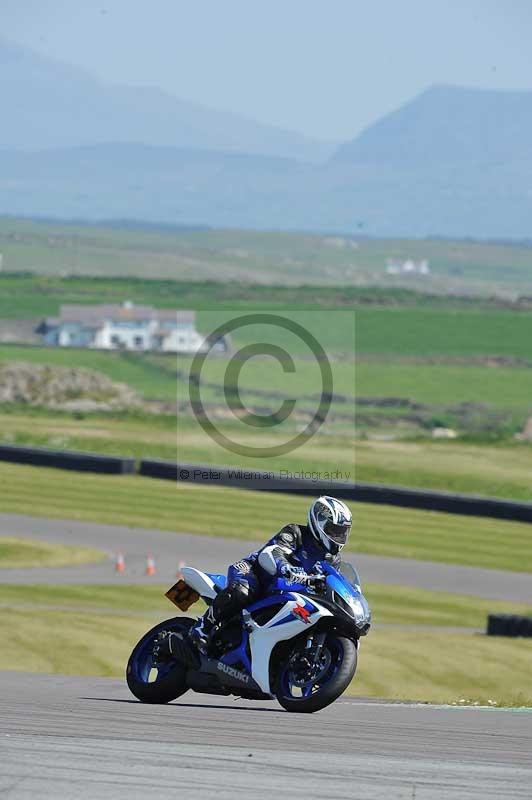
point(442, 668)
point(15, 552)
point(391, 605)
point(217, 511)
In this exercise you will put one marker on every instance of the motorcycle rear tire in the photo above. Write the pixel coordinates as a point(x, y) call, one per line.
point(173, 685)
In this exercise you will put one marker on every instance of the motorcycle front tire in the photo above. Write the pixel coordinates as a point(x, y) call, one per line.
point(328, 693)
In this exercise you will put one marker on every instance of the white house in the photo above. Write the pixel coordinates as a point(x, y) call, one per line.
point(395, 266)
point(123, 327)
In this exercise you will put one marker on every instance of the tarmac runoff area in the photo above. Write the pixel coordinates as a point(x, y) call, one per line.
point(215, 554)
point(76, 738)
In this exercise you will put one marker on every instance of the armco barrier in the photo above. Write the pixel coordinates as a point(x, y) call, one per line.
point(469, 505)
point(509, 625)
point(66, 459)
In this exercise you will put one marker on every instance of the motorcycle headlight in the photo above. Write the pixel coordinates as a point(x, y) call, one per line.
point(359, 612)
point(354, 607)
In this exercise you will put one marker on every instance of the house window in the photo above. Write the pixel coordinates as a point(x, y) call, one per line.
point(115, 340)
point(138, 341)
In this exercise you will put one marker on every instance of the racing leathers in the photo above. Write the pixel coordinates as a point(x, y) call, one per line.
point(292, 553)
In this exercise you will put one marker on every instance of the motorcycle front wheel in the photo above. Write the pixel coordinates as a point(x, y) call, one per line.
point(306, 685)
point(157, 682)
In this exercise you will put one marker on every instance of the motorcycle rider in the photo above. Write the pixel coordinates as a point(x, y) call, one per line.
point(293, 553)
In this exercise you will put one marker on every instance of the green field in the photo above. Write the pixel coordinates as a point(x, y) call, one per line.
point(459, 362)
point(256, 257)
point(400, 323)
point(41, 295)
point(438, 384)
point(91, 631)
point(143, 502)
point(431, 384)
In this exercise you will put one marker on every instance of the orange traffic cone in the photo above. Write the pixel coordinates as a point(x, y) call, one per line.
point(179, 573)
point(150, 565)
point(120, 564)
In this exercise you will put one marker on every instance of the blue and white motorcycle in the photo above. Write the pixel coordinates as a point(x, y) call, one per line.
point(299, 644)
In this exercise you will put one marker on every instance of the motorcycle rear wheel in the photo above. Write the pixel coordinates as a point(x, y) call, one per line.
point(339, 670)
point(169, 682)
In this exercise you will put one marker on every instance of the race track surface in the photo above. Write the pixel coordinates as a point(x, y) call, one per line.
point(215, 553)
point(74, 737)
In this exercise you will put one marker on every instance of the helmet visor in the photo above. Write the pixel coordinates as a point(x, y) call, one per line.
point(338, 533)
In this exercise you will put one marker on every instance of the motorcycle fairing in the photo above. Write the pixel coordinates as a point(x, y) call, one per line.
point(233, 669)
point(284, 625)
point(207, 585)
point(262, 639)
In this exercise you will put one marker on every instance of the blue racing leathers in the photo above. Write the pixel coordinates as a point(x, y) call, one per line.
point(293, 552)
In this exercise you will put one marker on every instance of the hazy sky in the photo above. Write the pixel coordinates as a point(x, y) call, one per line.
point(324, 67)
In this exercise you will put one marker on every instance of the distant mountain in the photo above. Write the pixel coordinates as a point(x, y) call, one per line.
point(453, 162)
point(448, 125)
point(47, 104)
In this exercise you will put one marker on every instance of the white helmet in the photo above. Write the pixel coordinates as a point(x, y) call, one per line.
point(330, 522)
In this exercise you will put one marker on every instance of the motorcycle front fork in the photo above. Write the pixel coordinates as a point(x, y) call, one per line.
point(316, 640)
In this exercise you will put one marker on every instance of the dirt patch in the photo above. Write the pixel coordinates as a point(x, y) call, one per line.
point(66, 388)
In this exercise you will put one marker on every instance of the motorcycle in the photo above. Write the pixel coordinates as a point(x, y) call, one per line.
point(299, 644)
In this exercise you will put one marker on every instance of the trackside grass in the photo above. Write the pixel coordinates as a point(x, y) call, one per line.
point(17, 552)
point(391, 605)
point(143, 502)
point(500, 470)
point(445, 668)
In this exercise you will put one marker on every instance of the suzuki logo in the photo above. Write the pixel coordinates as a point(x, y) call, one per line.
point(301, 612)
point(234, 673)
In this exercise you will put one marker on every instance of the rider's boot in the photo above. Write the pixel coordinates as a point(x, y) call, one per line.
point(201, 633)
point(174, 645)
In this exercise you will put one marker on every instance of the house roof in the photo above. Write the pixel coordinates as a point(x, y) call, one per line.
point(95, 315)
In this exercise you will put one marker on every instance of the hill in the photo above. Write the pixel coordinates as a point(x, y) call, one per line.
point(49, 104)
point(448, 125)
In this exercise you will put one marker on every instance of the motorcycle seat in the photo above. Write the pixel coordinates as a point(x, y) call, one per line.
point(220, 581)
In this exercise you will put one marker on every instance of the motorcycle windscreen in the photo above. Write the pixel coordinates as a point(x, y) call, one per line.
point(182, 595)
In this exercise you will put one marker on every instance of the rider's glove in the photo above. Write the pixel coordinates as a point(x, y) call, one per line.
point(298, 574)
point(293, 573)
